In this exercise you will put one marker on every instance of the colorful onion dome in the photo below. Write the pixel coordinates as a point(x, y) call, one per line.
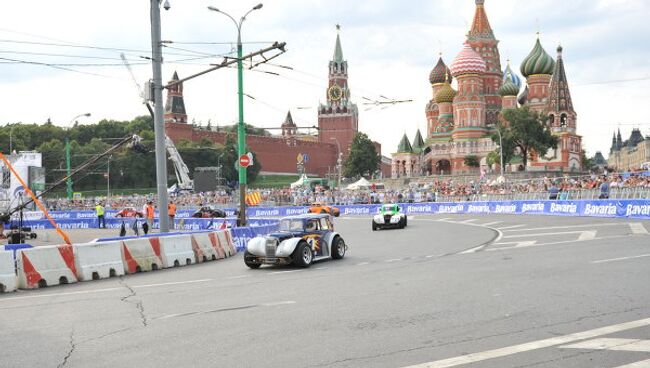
point(438, 72)
point(508, 73)
point(467, 61)
point(445, 94)
point(523, 97)
point(537, 62)
point(508, 89)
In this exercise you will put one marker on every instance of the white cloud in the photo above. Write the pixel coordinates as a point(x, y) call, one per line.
point(390, 46)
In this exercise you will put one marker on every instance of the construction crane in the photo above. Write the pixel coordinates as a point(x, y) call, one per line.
point(133, 142)
point(184, 183)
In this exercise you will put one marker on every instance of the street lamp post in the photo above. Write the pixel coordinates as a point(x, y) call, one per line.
point(339, 160)
point(241, 129)
point(67, 156)
point(500, 147)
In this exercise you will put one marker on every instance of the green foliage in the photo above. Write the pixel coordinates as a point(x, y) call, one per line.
point(230, 162)
point(472, 161)
point(363, 159)
point(588, 163)
point(527, 131)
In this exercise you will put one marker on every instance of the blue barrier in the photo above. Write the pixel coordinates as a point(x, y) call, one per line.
point(15, 247)
point(632, 208)
point(241, 235)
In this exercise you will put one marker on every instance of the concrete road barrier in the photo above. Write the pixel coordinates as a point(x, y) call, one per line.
point(225, 240)
point(98, 260)
point(8, 281)
point(141, 254)
point(177, 250)
point(205, 247)
point(46, 266)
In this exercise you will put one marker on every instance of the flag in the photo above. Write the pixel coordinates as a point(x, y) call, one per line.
point(253, 199)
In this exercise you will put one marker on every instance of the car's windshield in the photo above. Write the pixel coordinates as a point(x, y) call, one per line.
point(388, 208)
point(291, 225)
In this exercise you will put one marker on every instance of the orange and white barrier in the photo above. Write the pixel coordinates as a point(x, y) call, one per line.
point(98, 260)
point(7, 272)
point(177, 250)
point(46, 266)
point(141, 254)
point(206, 248)
point(224, 238)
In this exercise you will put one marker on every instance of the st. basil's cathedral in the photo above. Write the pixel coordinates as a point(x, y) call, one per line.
point(460, 122)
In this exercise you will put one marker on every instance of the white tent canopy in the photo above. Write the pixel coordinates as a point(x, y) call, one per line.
point(361, 183)
point(302, 181)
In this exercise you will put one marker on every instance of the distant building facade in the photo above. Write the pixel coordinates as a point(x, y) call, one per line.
point(459, 121)
point(338, 122)
point(631, 154)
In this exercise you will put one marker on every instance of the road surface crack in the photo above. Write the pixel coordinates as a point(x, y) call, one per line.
point(138, 304)
point(72, 347)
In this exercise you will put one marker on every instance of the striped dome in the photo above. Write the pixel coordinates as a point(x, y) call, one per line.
point(508, 73)
point(467, 61)
point(537, 62)
point(445, 94)
point(508, 89)
point(439, 72)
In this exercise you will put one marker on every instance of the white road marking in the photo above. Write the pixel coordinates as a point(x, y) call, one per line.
point(491, 223)
point(443, 219)
point(95, 291)
point(620, 259)
point(571, 226)
point(638, 228)
point(320, 268)
point(510, 227)
point(392, 260)
point(533, 345)
point(237, 277)
point(273, 304)
point(170, 283)
point(641, 364)
point(290, 271)
point(430, 256)
point(362, 263)
point(466, 221)
point(587, 237)
point(519, 244)
point(410, 217)
point(612, 344)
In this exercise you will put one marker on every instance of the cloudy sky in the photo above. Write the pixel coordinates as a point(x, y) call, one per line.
point(390, 46)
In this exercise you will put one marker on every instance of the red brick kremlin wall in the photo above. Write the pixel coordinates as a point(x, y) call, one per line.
point(275, 154)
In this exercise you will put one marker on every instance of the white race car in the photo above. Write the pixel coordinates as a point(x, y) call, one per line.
point(389, 216)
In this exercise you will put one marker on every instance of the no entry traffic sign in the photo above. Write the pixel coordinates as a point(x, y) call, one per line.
point(244, 160)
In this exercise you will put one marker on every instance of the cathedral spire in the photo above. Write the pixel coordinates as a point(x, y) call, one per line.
point(559, 96)
point(338, 50)
point(480, 25)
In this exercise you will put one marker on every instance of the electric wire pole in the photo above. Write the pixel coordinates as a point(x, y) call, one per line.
point(159, 124)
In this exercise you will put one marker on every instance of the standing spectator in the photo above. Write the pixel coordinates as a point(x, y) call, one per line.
point(149, 213)
point(604, 189)
point(553, 191)
point(99, 210)
point(171, 209)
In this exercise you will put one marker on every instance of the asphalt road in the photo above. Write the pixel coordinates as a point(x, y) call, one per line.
point(521, 291)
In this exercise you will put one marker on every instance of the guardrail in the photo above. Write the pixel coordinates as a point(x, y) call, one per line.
point(572, 194)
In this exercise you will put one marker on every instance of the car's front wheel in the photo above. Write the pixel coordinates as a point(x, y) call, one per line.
point(338, 248)
point(374, 226)
point(303, 255)
point(250, 261)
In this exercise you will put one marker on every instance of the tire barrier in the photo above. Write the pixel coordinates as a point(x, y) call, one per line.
point(46, 266)
point(98, 260)
point(176, 250)
point(205, 247)
point(141, 255)
point(8, 281)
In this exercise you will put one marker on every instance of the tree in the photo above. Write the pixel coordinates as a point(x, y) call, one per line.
point(588, 163)
point(363, 159)
point(528, 132)
point(472, 161)
point(230, 162)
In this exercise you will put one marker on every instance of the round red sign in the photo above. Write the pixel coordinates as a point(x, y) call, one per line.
point(244, 160)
